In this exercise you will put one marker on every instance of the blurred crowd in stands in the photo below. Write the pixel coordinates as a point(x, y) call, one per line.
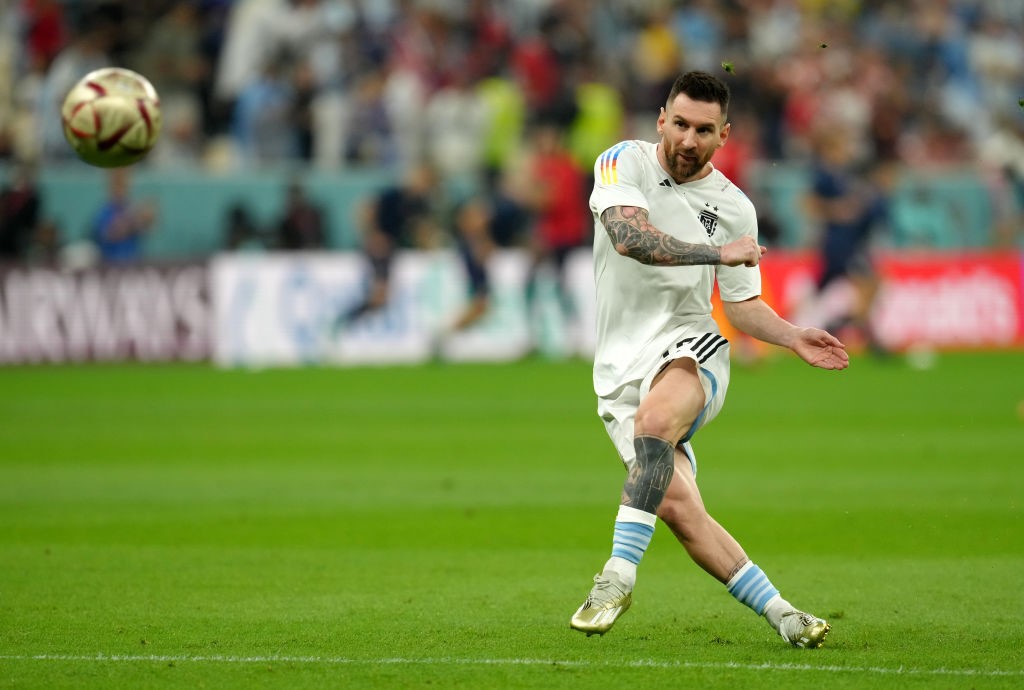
point(339, 82)
point(463, 86)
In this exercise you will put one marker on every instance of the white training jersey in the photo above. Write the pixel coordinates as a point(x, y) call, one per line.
point(641, 309)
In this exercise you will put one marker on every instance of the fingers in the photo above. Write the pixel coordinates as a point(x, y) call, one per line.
point(749, 250)
point(744, 251)
point(823, 338)
point(756, 251)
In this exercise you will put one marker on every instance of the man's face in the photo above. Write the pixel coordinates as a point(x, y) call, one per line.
point(691, 131)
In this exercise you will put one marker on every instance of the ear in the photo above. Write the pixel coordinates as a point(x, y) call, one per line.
point(724, 134)
point(661, 121)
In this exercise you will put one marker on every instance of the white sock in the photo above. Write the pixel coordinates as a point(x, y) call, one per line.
point(775, 608)
point(633, 531)
point(626, 570)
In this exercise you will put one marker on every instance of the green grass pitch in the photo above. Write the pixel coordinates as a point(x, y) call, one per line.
point(180, 526)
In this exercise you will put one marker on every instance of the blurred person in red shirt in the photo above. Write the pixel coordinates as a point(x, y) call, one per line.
point(45, 29)
point(553, 189)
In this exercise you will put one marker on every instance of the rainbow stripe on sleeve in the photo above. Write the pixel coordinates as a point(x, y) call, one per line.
point(608, 163)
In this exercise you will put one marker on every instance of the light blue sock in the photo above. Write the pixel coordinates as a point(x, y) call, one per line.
point(631, 540)
point(633, 531)
point(752, 587)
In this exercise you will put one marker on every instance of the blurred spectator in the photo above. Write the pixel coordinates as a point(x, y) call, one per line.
point(120, 225)
point(600, 114)
point(19, 138)
point(848, 208)
point(553, 189)
point(996, 53)
point(302, 224)
point(1002, 161)
point(700, 32)
point(421, 53)
point(475, 245)
point(250, 39)
point(20, 212)
point(655, 61)
point(505, 111)
point(370, 137)
point(45, 30)
point(88, 51)
point(455, 128)
point(774, 29)
point(241, 233)
point(539, 63)
point(302, 117)
point(403, 215)
point(263, 125)
point(933, 143)
point(487, 37)
point(173, 61)
point(45, 249)
point(395, 82)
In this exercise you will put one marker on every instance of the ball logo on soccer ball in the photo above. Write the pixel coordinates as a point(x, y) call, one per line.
point(112, 117)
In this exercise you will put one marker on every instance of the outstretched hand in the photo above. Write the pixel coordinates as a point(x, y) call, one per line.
point(821, 349)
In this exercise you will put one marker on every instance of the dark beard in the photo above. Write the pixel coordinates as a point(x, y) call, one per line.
point(680, 170)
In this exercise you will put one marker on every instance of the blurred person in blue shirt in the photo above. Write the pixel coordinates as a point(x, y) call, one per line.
point(120, 225)
point(849, 203)
point(263, 124)
point(401, 215)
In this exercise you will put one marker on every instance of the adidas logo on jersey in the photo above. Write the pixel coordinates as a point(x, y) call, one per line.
point(665, 183)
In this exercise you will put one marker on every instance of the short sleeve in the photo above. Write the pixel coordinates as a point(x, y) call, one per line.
point(740, 283)
point(618, 178)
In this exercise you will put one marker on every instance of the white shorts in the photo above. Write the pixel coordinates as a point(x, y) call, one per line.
point(618, 410)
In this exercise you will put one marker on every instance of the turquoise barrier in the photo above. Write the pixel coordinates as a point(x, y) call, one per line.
point(942, 211)
point(946, 210)
point(193, 206)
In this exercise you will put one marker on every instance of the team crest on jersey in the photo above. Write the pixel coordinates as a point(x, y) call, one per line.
point(709, 219)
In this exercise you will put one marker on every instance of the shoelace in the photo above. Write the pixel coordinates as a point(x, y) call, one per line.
point(603, 586)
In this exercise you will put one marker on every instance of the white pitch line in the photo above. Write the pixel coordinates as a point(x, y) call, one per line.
point(453, 661)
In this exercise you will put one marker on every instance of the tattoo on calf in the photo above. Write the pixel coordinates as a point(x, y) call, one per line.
point(650, 474)
point(738, 567)
point(630, 229)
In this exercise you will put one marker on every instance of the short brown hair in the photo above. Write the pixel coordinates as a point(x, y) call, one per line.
point(701, 86)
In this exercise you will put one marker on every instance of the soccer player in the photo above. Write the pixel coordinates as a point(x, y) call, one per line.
point(667, 225)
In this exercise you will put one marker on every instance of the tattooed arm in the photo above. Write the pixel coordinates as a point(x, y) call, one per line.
point(633, 235)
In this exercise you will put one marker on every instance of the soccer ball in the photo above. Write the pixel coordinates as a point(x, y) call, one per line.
point(112, 117)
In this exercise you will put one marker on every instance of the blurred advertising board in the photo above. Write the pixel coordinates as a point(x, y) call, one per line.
point(971, 300)
point(290, 309)
point(278, 309)
point(146, 313)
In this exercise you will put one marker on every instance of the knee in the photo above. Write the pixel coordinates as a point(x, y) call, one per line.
point(656, 421)
point(670, 412)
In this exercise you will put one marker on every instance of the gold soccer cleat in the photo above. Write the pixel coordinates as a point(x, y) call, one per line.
point(803, 630)
point(609, 599)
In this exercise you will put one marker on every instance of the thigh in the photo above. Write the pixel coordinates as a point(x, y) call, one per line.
point(674, 402)
point(705, 357)
point(618, 410)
